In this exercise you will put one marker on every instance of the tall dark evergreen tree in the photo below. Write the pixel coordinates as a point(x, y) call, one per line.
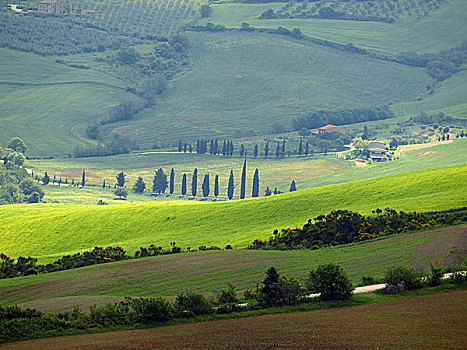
point(243, 182)
point(184, 185)
point(231, 148)
point(83, 178)
point(255, 153)
point(230, 188)
point(180, 145)
point(307, 148)
point(46, 179)
point(159, 183)
point(365, 133)
point(139, 185)
point(216, 186)
point(292, 186)
point(103, 184)
point(266, 149)
point(224, 148)
point(121, 179)
point(283, 149)
point(211, 147)
point(205, 186)
point(242, 150)
point(172, 181)
point(185, 147)
point(278, 150)
point(255, 191)
point(194, 183)
point(216, 147)
point(190, 148)
point(197, 147)
point(268, 192)
point(300, 148)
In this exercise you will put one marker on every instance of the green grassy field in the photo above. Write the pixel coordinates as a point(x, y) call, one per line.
point(273, 173)
point(207, 272)
point(454, 153)
point(241, 84)
point(50, 230)
point(47, 104)
point(442, 29)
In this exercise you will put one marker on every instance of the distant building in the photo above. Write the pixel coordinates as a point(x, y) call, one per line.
point(88, 12)
point(377, 144)
point(378, 151)
point(51, 7)
point(329, 128)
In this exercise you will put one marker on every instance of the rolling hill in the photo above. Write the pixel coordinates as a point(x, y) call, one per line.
point(50, 230)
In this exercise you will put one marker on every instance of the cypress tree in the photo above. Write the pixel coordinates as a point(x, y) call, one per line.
point(300, 148)
point(139, 185)
point(266, 149)
point(243, 182)
point(159, 183)
point(46, 179)
point(59, 180)
point(255, 192)
point(190, 148)
point(194, 183)
point(180, 146)
point(172, 181)
point(256, 151)
point(365, 133)
point(211, 147)
point(230, 188)
point(103, 184)
point(242, 150)
point(231, 148)
point(307, 148)
point(216, 186)
point(83, 178)
point(278, 150)
point(292, 186)
point(283, 149)
point(224, 148)
point(216, 147)
point(120, 179)
point(206, 186)
point(184, 185)
point(185, 147)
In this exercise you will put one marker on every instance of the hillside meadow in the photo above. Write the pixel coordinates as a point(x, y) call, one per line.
point(50, 230)
point(241, 84)
point(209, 271)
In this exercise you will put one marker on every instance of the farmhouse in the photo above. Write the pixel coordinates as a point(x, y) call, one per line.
point(51, 7)
point(378, 151)
point(329, 128)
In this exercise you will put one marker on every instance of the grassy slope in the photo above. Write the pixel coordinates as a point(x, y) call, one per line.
point(240, 84)
point(48, 230)
point(207, 272)
point(442, 29)
point(432, 157)
point(47, 104)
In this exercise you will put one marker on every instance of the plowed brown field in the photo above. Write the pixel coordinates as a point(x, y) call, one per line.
point(428, 322)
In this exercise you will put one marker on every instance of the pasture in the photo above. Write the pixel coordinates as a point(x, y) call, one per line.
point(209, 271)
point(47, 231)
point(241, 84)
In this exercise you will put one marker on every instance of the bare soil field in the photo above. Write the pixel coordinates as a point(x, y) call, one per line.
point(435, 321)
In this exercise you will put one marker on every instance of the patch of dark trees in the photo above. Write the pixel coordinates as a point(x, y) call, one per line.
point(349, 116)
point(51, 36)
point(327, 13)
point(344, 227)
point(438, 119)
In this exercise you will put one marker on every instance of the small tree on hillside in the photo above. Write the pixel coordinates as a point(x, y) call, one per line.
point(17, 145)
point(266, 149)
point(184, 185)
point(194, 183)
point(292, 186)
point(331, 281)
point(120, 179)
point(230, 187)
point(255, 152)
point(216, 186)
point(159, 183)
point(139, 185)
point(243, 181)
point(83, 178)
point(172, 181)
point(255, 191)
point(206, 186)
point(121, 192)
point(46, 179)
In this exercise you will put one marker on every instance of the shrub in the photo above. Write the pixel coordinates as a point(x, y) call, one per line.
point(434, 279)
point(331, 281)
point(227, 296)
point(277, 290)
point(192, 304)
point(401, 274)
point(152, 309)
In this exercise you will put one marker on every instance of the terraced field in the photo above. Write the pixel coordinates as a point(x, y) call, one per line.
point(50, 230)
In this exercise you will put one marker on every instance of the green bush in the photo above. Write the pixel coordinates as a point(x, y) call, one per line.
point(277, 290)
point(331, 281)
point(152, 309)
point(227, 296)
point(192, 304)
point(401, 274)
